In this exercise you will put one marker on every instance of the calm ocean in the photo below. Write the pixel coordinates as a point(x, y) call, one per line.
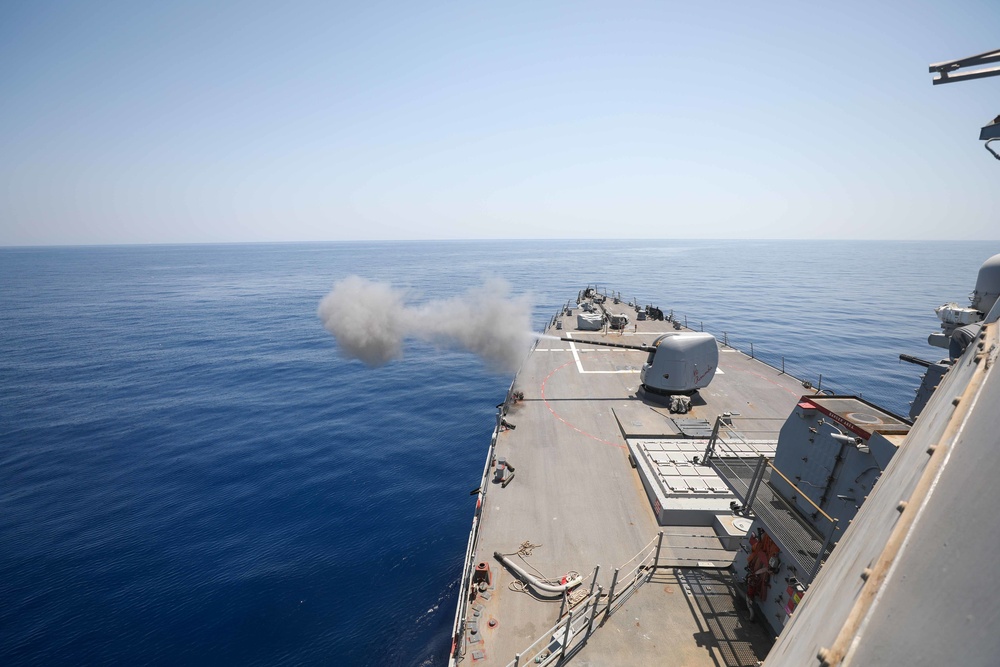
point(191, 474)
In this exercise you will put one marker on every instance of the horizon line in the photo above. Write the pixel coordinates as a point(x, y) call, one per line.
point(27, 246)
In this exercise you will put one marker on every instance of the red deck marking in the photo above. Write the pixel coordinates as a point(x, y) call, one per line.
point(557, 416)
point(793, 393)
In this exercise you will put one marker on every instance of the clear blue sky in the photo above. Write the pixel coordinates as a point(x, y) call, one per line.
point(149, 122)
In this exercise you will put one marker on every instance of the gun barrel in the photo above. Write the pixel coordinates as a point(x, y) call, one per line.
point(916, 360)
point(643, 348)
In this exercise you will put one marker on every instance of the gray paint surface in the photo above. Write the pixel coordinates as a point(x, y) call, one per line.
point(927, 598)
point(575, 495)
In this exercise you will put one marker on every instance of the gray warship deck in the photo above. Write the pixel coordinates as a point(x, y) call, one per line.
point(576, 502)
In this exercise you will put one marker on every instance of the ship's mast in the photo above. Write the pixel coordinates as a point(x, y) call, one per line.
point(949, 71)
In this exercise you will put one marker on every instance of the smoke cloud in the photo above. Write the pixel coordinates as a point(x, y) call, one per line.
point(371, 320)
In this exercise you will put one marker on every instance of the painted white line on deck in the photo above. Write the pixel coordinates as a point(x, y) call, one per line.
point(583, 351)
point(576, 357)
point(628, 334)
point(632, 371)
point(579, 365)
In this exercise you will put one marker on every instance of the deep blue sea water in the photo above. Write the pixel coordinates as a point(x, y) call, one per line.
point(191, 474)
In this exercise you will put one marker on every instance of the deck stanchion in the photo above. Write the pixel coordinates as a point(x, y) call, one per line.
point(659, 543)
point(594, 581)
point(751, 350)
point(826, 544)
point(517, 659)
point(569, 624)
point(710, 447)
point(593, 611)
point(758, 477)
point(611, 593)
point(782, 365)
point(562, 604)
point(819, 387)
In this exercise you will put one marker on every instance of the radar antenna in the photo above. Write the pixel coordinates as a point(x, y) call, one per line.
point(948, 72)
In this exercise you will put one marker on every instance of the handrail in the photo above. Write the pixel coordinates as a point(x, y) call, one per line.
point(460, 612)
point(721, 425)
point(801, 493)
point(580, 620)
point(458, 628)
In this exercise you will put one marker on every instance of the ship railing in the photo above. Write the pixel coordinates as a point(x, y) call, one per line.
point(825, 525)
point(576, 624)
point(803, 534)
point(808, 377)
point(735, 436)
point(458, 629)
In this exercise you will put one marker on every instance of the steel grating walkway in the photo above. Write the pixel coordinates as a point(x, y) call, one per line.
point(797, 538)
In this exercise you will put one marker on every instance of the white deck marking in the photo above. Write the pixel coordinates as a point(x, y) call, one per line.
point(579, 366)
point(585, 351)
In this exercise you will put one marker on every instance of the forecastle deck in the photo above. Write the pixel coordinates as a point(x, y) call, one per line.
point(574, 501)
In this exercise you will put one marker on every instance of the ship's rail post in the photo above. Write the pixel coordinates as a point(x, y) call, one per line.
point(593, 582)
point(758, 477)
point(593, 610)
point(819, 387)
point(751, 350)
point(611, 594)
point(659, 545)
point(517, 659)
point(710, 447)
point(569, 627)
point(826, 545)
